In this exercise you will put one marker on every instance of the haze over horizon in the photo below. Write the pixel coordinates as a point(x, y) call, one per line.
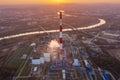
point(2, 2)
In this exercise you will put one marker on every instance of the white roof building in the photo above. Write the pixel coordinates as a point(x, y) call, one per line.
point(47, 57)
point(46, 54)
point(33, 44)
point(76, 62)
point(38, 61)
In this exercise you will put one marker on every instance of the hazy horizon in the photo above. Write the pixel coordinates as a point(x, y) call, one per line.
point(14, 2)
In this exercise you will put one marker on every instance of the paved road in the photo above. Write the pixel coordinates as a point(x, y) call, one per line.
point(23, 66)
point(102, 22)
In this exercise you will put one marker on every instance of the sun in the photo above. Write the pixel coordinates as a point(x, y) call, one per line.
point(58, 1)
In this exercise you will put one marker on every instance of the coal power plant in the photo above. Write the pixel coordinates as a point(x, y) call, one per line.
point(60, 42)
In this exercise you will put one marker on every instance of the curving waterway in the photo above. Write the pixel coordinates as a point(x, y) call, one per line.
point(102, 22)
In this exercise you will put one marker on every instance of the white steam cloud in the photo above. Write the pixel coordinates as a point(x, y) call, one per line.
point(54, 44)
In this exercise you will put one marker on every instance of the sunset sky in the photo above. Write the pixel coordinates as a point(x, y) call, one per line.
point(55, 1)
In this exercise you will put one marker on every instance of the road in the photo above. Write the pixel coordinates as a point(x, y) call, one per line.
point(102, 22)
point(23, 66)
